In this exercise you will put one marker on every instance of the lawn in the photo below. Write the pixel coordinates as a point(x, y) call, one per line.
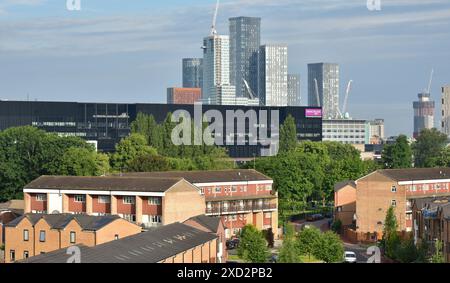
point(307, 259)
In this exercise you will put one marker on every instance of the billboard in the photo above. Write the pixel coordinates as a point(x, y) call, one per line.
point(313, 113)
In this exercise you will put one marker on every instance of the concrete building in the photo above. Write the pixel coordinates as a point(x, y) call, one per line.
point(173, 243)
point(446, 110)
point(376, 131)
point(423, 113)
point(245, 39)
point(294, 90)
point(34, 234)
point(148, 202)
point(273, 75)
point(327, 76)
point(347, 131)
point(192, 70)
point(176, 95)
point(378, 191)
point(239, 197)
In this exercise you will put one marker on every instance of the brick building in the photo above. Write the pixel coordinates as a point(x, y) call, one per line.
point(34, 234)
point(240, 197)
point(345, 203)
point(378, 191)
point(9, 211)
point(148, 202)
point(181, 95)
point(173, 243)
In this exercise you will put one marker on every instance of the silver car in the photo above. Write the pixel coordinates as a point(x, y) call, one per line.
point(350, 257)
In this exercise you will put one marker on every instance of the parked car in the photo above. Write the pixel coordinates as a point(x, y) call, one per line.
point(350, 257)
point(232, 243)
point(314, 217)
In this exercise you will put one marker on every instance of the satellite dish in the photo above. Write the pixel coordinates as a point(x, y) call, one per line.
point(56, 212)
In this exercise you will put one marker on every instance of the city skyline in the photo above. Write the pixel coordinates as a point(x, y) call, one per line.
point(96, 55)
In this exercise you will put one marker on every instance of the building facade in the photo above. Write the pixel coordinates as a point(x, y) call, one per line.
point(239, 197)
point(445, 124)
point(423, 113)
point(106, 124)
point(327, 77)
point(273, 75)
point(346, 131)
point(345, 203)
point(177, 95)
point(148, 202)
point(192, 70)
point(34, 234)
point(376, 131)
point(245, 39)
point(294, 90)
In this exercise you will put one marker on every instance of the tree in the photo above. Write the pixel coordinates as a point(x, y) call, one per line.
point(288, 251)
point(407, 252)
point(337, 226)
point(438, 256)
point(397, 155)
point(128, 149)
point(288, 135)
point(83, 162)
point(307, 241)
point(149, 163)
point(428, 148)
point(329, 248)
point(252, 246)
point(391, 239)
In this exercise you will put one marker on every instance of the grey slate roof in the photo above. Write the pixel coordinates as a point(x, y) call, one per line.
point(237, 175)
point(416, 174)
point(60, 221)
point(148, 247)
point(109, 183)
point(211, 223)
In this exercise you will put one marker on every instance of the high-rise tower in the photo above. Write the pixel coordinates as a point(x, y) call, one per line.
point(323, 85)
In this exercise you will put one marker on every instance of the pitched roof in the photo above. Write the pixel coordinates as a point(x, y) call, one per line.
point(110, 183)
point(60, 221)
point(210, 223)
point(147, 247)
point(416, 174)
point(343, 184)
point(232, 175)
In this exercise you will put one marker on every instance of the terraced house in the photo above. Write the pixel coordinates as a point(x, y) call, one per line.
point(148, 202)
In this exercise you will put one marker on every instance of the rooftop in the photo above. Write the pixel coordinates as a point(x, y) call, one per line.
point(147, 247)
point(233, 175)
point(210, 223)
point(343, 184)
point(416, 174)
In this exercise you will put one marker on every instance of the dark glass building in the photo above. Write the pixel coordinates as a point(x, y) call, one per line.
point(107, 123)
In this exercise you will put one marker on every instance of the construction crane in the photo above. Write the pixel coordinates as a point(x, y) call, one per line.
point(213, 26)
point(251, 94)
point(317, 92)
point(344, 107)
point(431, 80)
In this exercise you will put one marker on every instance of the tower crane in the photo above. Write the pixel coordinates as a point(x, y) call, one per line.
point(251, 94)
point(344, 107)
point(213, 26)
point(431, 80)
point(317, 92)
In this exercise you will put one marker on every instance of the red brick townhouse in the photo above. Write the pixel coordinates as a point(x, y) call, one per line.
point(146, 201)
point(378, 191)
point(240, 197)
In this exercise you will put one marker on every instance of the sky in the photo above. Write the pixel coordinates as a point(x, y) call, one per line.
point(131, 50)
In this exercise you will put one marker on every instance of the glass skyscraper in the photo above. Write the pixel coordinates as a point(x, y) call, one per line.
point(294, 98)
point(327, 76)
point(245, 39)
point(192, 72)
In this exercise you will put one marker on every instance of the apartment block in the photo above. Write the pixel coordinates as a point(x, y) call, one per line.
point(345, 203)
point(148, 202)
point(445, 107)
point(177, 95)
point(239, 197)
point(173, 243)
point(34, 234)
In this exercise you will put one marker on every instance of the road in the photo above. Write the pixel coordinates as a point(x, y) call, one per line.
point(361, 252)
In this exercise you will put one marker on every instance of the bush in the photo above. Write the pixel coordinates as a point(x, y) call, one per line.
point(337, 226)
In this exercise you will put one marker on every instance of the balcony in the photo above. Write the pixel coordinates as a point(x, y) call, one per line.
point(240, 208)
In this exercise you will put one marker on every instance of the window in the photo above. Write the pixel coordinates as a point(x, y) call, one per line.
point(154, 201)
point(268, 188)
point(394, 189)
point(218, 190)
point(26, 254)
point(26, 235)
point(130, 217)
point(116, 237)
point(79, 198)
point(42, 236)
point(128, 200)
point(73, 237)
point(155, 218)
point(104, 199)
point(12, 255)
point(394, 203)
point(202, 191)
point(234, 189)
point(41, 197)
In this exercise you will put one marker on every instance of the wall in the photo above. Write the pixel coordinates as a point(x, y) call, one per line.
point(14, 240)
point(345, 199)
point(182, 202)
point(120, 227)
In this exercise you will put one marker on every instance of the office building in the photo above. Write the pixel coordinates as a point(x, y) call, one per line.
point(294, 92)
point(273, 77)
point(325, 92)
point(346, 131)
point(192, 72)
point(107, 123)
point(446, 110)
point(176, 95)
point(245, 39)
point(423, 113)
point(376, 131)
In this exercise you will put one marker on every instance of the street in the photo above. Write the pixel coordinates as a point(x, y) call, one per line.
point(361, 252)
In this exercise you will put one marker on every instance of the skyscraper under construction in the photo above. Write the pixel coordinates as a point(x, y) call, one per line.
point(423, 113)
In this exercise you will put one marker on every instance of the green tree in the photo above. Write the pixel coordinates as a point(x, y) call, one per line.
point(288, 251)
point(83, 162)
point(288, 135)
point(428, 148)
point(398, 154)
point(337, 226)
point(252, 246)
point(307, 241)
point(329, 248)
point(128, 149)
point(149, 163)
point(438, 256)
point(407, 252)
point(147, 126)
point(391, 240)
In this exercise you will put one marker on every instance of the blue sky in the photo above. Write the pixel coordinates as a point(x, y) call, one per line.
point(131, 50)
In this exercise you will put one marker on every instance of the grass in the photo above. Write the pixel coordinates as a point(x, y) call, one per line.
point(307, 259)
point(234, 257)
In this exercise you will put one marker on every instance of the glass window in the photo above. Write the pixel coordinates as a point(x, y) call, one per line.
point(394, 189)
point(104, 199)
point(73, 237)
point(154, 201)
point(41, 197)
point(128, 200)
point(79, 198)
point(12, 255)
point(26, 254)
point(42, 236)
point(26, 235)
point(394, 203)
